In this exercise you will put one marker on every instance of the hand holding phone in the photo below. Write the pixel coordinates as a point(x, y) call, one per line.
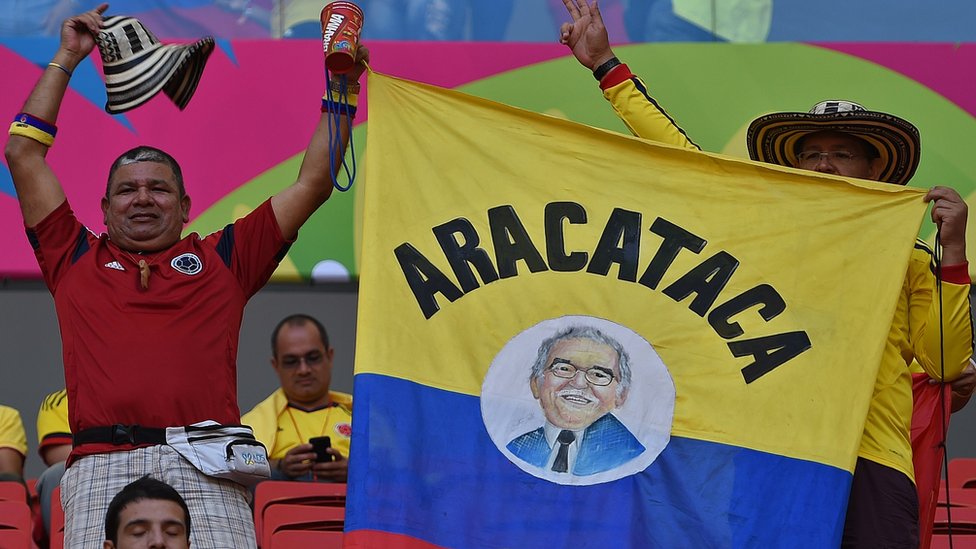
point(319, 446)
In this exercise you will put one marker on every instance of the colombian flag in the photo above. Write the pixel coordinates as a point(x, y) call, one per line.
point(570, 337)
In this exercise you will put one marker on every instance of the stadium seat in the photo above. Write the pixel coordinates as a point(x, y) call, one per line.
point(962, 473)
point(957, 497)
point(959, 541)
point(963, 520)
point(320, 539)
point(57, 520)
point(299, 493)
point(14, 539)
point(285, 516)
point(13, 490)
point(15, 524)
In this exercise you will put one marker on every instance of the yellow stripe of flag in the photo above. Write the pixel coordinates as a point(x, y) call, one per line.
point(767, 293)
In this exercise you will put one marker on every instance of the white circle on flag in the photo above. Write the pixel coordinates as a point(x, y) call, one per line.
point(606, 449)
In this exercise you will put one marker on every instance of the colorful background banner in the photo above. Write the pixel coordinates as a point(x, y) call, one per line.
point(243, 134)
point(527, 20)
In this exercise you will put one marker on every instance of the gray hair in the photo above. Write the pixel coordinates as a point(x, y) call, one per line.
point(583, 332)
point(145, 153)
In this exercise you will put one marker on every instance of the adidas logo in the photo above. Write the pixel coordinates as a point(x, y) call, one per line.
point(115, 265)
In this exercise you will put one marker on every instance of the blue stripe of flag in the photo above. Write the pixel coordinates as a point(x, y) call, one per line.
point(423, 465)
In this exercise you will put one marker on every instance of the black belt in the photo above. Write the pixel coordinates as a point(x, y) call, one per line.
point(120, 434)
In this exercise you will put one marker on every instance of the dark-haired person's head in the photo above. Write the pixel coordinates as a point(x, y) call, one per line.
point(302, 358)
point(145, 205)
point(579, 375)
point(145, 153)
point(146, 514)
point(838, 137)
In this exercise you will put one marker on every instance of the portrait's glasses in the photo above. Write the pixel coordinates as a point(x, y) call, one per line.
point(311, 359)
point(597, 375)
point(837, 158)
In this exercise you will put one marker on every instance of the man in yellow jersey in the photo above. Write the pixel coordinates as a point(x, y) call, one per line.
point(841, 138)
point(303, 408)
point(54, 444)
point(13, 444)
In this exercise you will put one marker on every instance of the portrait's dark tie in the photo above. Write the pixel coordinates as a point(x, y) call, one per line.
point(565, 438)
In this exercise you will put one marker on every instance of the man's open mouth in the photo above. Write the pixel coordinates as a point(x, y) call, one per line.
point(575, 398)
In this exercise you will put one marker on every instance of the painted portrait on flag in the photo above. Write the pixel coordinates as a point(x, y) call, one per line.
point(578, 400)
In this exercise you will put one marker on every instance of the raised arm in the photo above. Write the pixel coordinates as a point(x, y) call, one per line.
point(295, 204)
point(587, 37)
point(38, 190)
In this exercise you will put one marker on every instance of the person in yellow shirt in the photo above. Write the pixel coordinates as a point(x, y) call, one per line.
point(13, 444)
point(54, 444)
point(841, 138)
point(303, 408)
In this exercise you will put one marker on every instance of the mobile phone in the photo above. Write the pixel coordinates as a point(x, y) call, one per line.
point(319, 446)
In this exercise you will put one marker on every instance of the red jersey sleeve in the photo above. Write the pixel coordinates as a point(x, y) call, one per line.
point(255, 246)
point(58, 241)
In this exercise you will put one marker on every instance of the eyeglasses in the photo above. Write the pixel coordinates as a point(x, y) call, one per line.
point(312, 358)
point(837, 158)
point(597, 375)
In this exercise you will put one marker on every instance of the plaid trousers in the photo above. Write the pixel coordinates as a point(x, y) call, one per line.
point(220, 515)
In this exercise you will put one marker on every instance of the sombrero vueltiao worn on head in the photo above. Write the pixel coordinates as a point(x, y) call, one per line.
point(137, 66)
point(773, 138)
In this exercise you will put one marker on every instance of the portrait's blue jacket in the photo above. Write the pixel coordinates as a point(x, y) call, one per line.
point(606, 444)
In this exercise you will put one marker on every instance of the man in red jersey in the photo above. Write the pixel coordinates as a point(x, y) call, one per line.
point(150, 322)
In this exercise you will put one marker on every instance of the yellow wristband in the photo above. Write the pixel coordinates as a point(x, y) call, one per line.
point(30, 132)
point(60, 66)
point(334, 98)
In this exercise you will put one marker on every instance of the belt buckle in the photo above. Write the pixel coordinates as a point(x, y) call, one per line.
point(123, 434)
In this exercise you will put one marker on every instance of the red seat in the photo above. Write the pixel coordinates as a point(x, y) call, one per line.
point(13, 490)
point(301, 493)
point(963, 520)
point(959, 541)
point(57, 520)
point(15, 524)
point(285, 516)
point(14, 539)
point(962, 473)
point(957, 497)
point(320, 539)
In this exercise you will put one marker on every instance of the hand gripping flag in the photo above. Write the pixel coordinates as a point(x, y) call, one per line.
point(571, 337)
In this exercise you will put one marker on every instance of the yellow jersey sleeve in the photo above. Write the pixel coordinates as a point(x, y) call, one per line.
point(12, 434)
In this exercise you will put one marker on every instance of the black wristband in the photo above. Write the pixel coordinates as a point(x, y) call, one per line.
point(603, 69)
